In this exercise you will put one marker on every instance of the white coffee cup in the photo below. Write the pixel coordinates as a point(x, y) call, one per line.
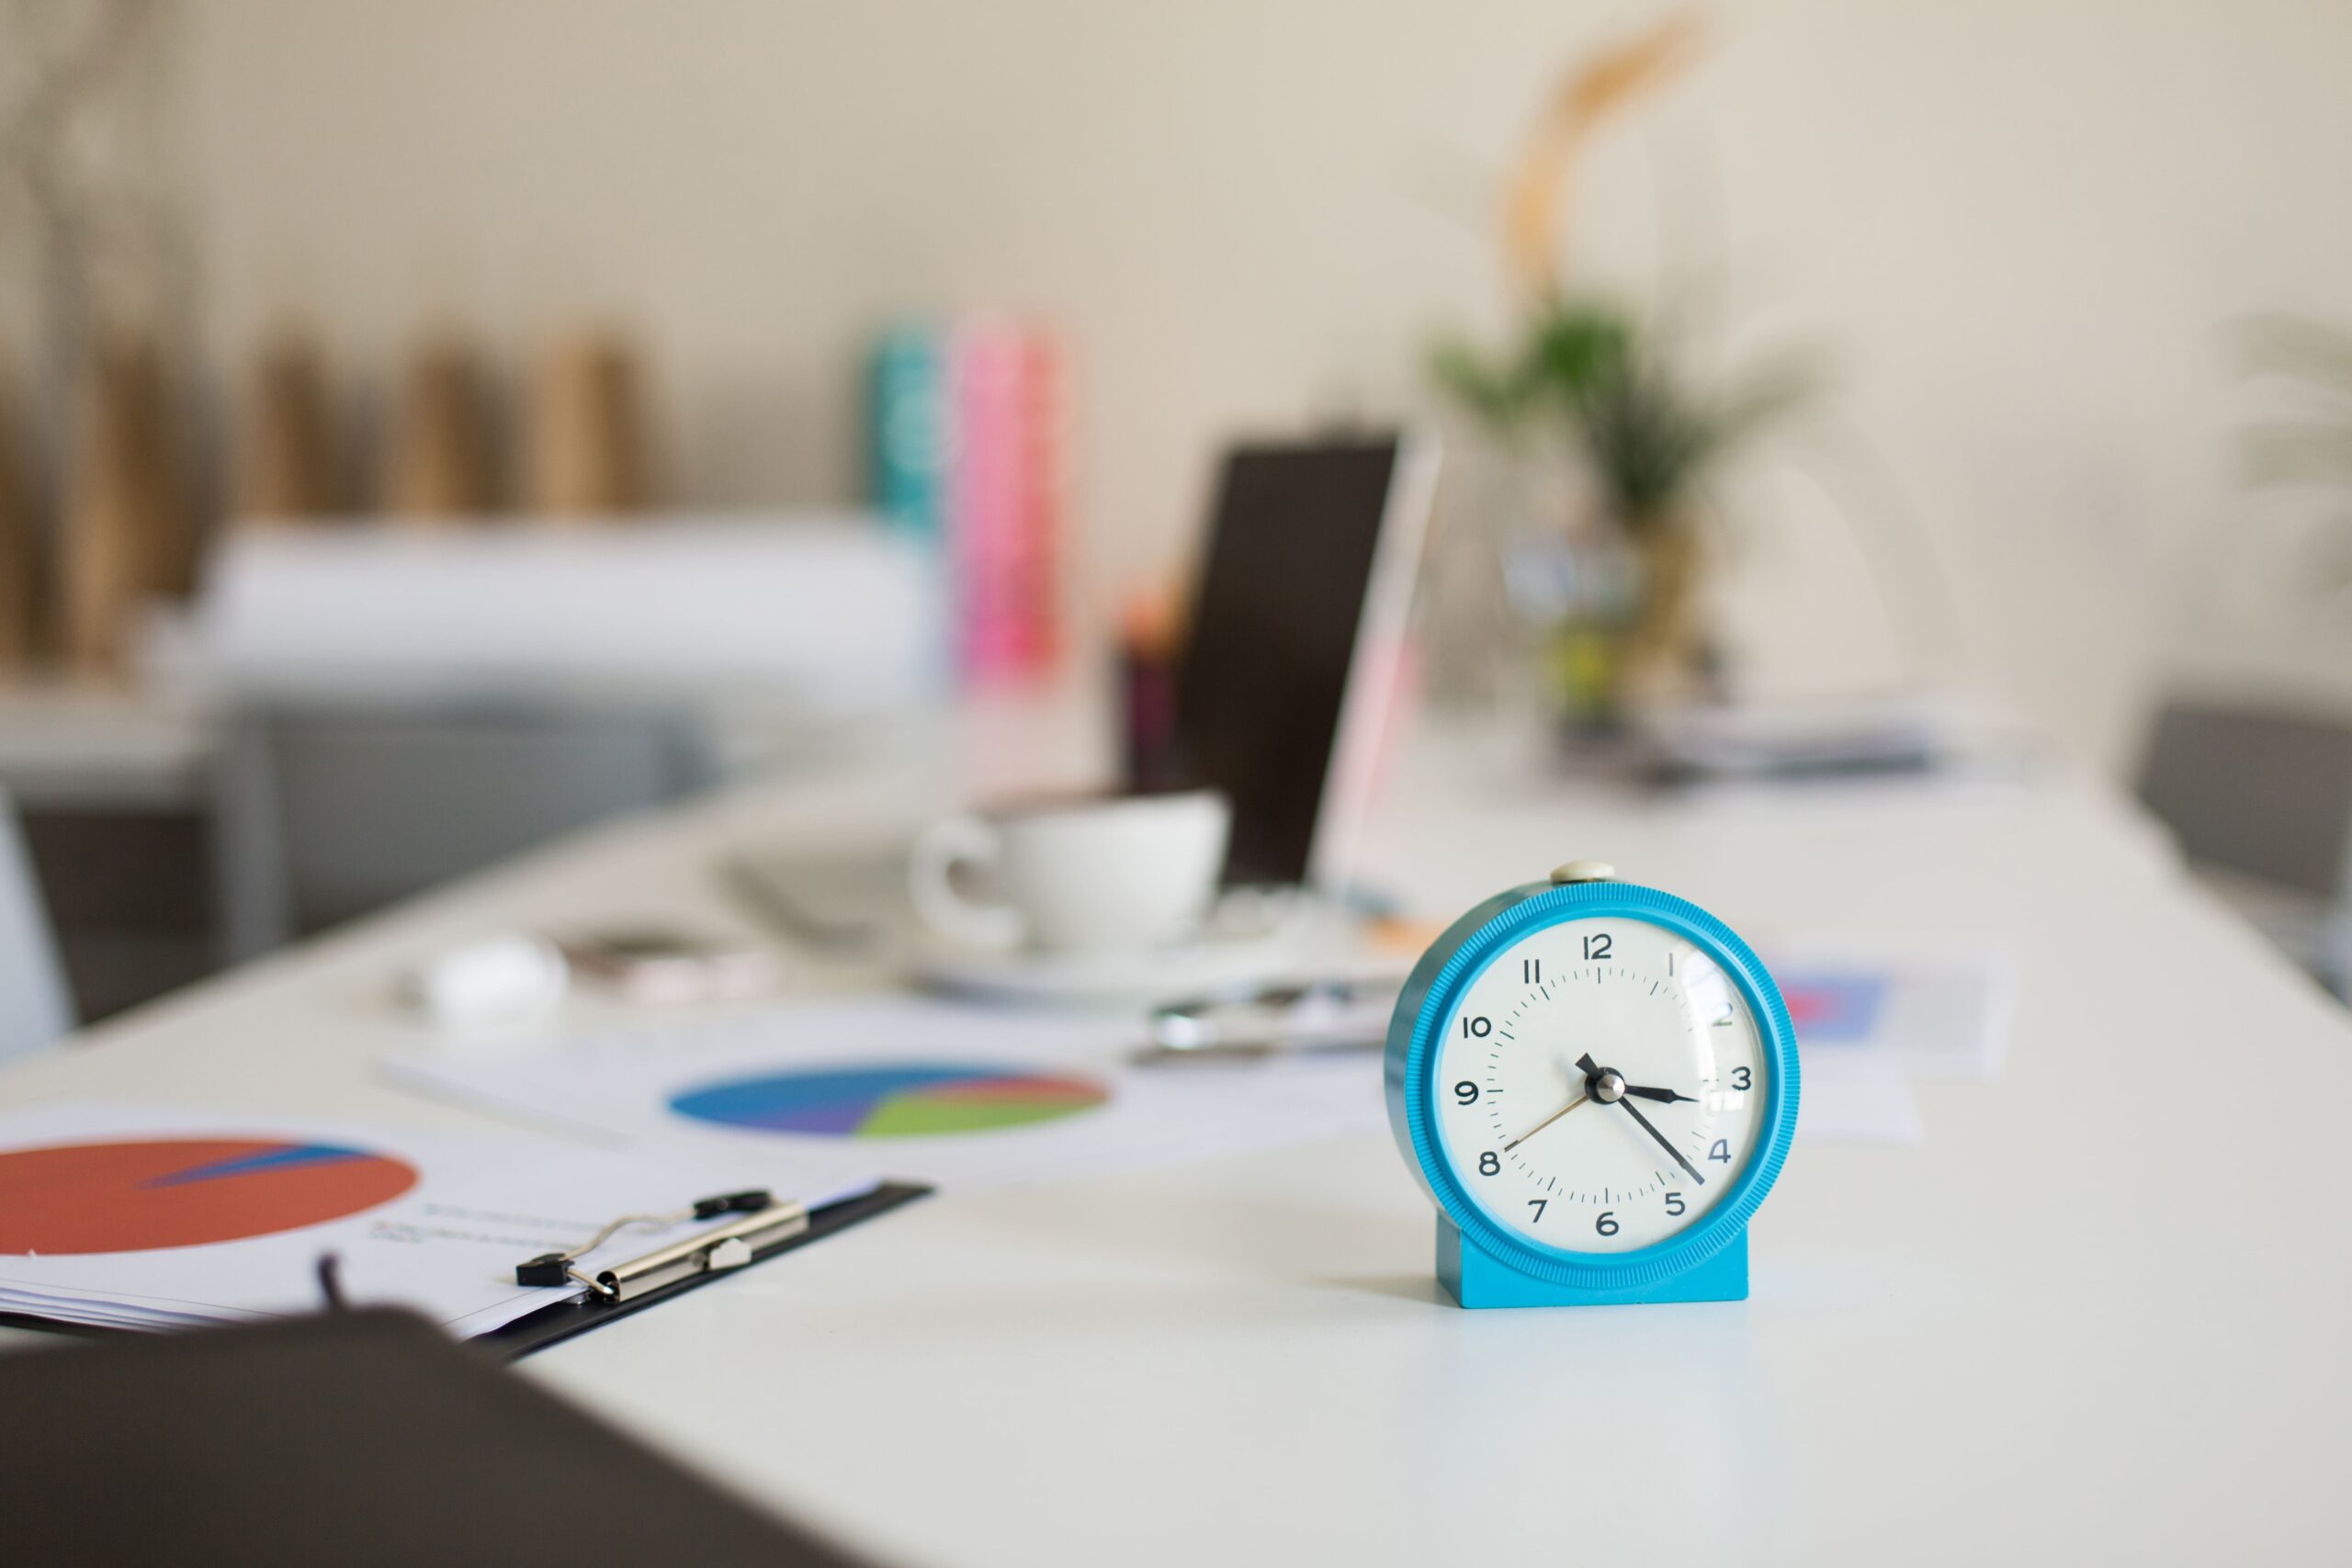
point(1118, 874)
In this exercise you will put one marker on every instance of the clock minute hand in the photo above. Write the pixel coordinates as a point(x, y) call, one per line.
point(1663, 1096)
point(1596, 1075)
point(1627, 1106)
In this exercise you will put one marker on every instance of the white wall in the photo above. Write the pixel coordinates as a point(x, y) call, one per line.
point(2018, 224)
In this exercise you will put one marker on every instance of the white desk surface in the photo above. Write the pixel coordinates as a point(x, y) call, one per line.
point(2097, 1315)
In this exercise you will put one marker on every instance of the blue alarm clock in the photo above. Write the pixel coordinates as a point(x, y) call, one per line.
point(1597, 1083)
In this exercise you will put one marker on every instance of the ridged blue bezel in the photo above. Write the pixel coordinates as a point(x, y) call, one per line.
point(1427, 1008)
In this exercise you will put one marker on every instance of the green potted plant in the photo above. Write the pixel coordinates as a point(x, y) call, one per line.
point(1594, 373)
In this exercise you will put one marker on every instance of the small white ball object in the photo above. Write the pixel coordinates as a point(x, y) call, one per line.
point(501, 979)
point(1584, 871)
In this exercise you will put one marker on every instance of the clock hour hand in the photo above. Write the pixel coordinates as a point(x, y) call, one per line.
point(1639, 1091)
point(1606, 1085)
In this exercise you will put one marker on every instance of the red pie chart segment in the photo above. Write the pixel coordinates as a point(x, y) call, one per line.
point(138, 1197)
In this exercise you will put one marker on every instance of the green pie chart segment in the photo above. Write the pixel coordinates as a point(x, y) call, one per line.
point(908, 1100)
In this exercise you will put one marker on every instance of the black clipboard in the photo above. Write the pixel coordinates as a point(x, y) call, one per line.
point(558, 1321)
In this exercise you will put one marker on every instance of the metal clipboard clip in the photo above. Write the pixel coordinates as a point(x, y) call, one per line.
point(764, 1224)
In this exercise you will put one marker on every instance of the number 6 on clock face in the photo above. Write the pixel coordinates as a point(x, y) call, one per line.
point(1598, 1085)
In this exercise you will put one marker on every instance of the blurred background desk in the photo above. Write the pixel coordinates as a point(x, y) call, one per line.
point(2096, 1315)
point(77, 747)
point(114, 790)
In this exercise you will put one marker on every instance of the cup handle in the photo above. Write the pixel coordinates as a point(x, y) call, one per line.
point(958, 842)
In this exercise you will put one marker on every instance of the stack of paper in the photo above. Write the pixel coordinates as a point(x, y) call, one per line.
point(1873, 1020)
point(146, 1217)
point(1798, 739)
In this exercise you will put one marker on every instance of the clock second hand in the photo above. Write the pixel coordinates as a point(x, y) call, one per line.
point(1581, 1098)
point(1593, 1074)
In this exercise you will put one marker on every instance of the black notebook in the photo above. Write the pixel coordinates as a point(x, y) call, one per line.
point(359, 1439)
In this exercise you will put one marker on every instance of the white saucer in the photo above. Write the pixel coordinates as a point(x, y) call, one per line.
point(1062, 979)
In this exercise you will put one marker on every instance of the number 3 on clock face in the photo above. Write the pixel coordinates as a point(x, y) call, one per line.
point(1601, 1084)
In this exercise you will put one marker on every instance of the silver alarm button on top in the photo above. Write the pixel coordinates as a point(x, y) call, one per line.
point(1584, 871)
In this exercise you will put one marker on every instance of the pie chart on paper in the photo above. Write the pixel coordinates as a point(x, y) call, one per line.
point(911, 1100)
point(163, 1192)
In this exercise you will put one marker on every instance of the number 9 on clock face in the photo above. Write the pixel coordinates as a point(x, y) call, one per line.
point(1600, 1086)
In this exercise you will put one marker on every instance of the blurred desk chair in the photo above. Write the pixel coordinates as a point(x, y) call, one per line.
point(326, 812)
point(2261, 802)
point(34, 1005)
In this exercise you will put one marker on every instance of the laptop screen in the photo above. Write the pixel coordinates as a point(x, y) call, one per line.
point(1282, 595)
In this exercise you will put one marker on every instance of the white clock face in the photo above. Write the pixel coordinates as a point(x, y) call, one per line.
point(1600, 1087)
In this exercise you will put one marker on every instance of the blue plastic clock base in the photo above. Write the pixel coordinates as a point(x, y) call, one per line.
point(1478, 1280)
